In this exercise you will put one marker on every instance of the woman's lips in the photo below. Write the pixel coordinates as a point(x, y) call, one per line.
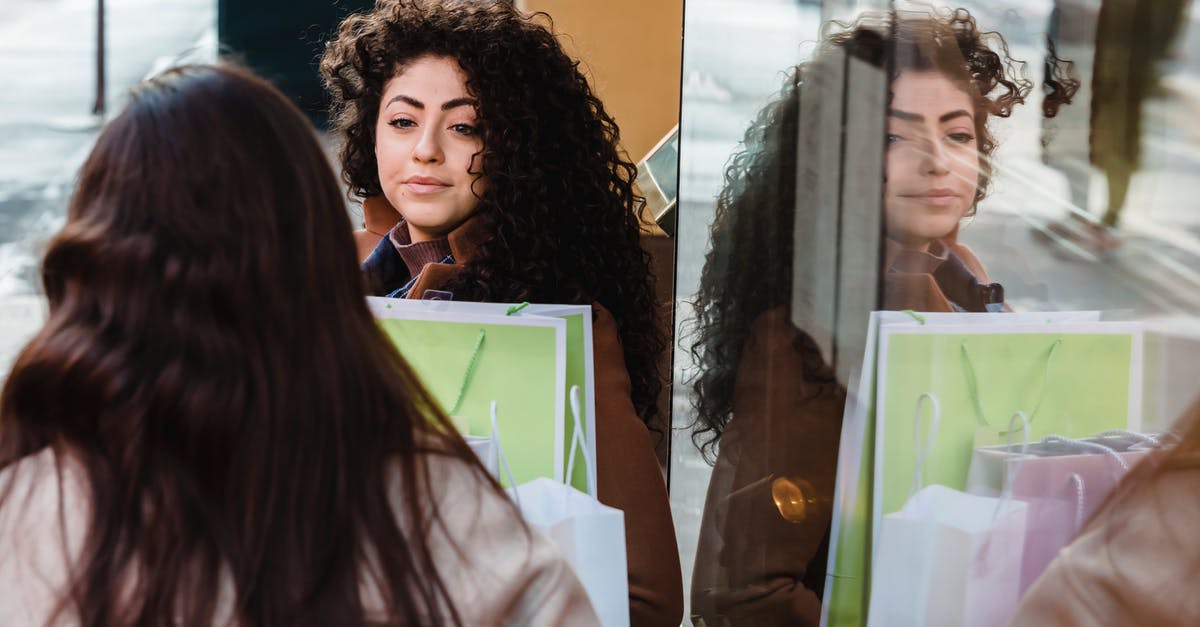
point(937, 197)
point(425, 185)
point(425, 188)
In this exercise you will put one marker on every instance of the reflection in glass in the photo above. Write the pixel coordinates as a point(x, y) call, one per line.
point(768, 403)
point(939, 144)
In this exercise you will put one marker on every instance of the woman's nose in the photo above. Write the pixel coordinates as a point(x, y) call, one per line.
point(935, 160)
point(428, 148)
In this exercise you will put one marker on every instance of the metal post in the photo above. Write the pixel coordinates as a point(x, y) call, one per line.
point(98, 105)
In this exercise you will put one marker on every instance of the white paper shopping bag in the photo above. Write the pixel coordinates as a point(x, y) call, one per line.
point(947, 558)
point(589, 534)
point(484, 448)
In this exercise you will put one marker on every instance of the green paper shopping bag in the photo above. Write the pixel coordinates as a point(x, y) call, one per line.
point(1070, 379)
point(523, 357)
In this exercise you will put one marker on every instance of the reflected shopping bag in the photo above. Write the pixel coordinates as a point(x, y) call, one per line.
point(1072, 379)
point(947, 558)
point(1062, 480)
point(590, 535)
point(845, 598)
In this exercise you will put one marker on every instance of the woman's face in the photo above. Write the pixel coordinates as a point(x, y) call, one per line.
point(932, 158)
point(426, 138)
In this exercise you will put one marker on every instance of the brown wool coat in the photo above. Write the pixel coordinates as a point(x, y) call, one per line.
point(754, 566)
point(627, 472)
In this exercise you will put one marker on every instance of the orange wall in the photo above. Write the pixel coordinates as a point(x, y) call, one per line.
point(631, 51)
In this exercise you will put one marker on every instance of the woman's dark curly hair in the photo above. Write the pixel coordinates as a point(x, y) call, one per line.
point(748, 269)
point(560, 193)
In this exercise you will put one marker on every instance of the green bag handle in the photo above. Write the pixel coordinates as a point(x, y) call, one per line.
point(973, 382)
point(467, 375)
point(474, 360)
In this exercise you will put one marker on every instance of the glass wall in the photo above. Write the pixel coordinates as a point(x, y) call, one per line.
point(1011, 179)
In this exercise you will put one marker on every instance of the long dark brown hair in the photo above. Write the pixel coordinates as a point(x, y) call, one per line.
point(211, 365)
point(560, 194)
point(748, 269)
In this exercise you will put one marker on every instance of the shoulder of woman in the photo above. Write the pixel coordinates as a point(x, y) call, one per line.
point(1127, 564)
point(773, 329)
point(43, 519)
point(496, 570)
point(608, 352)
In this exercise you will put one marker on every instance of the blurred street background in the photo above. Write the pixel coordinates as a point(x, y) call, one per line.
point(48, 66)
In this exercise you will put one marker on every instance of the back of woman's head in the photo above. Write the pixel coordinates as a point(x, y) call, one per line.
point(560, 197)
point(210, 363)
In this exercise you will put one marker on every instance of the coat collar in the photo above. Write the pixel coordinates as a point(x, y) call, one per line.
point(384, 269)
point(464, 239)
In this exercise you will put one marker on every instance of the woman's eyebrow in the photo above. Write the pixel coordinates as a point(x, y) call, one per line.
point(917, 117)
point(458, 102)
point(906, 116)
point(406, 99)
point(955, 114)
point(446, 106)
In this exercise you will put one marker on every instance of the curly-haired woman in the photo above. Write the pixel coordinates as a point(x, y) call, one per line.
point(211, 429)
point(469, 122)
point(763, 389)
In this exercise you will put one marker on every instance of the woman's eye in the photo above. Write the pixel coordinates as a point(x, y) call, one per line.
point(893, 138)
point(463, 129)
point(402, 123)
point(961, 138)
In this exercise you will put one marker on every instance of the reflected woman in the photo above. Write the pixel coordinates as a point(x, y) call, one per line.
point(764, 392)
point(937, 161)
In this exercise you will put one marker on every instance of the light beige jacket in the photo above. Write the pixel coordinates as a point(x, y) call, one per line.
point(1138, 564)
point(501, 576)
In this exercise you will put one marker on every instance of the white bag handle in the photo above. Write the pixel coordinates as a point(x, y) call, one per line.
point(577, 441)
point(1006, 495)
point(1144, 440)
point(577, 445)
point(504, 467)
point(1091, 447)
point(1078, 481)
point(923, 453)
